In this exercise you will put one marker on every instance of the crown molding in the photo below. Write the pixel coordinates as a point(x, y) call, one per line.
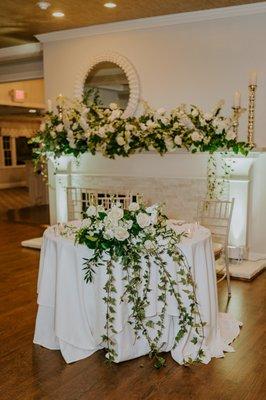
point(155, 22)
point(22, 52)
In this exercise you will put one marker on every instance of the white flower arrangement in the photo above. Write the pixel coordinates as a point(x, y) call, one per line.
point(83, 126)
point(140, 239)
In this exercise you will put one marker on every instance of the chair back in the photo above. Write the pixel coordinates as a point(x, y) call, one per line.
point(216, 215)
point(79, 199)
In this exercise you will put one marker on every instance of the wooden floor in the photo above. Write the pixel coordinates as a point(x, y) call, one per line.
point(15, 206)
point(29, 372)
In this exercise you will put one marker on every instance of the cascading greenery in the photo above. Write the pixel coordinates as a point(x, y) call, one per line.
point(139, 239)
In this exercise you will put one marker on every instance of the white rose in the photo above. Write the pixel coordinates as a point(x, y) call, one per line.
point(101, 131)
point(196, 136)
point(195, 112)
point(152, 209)
point(121, 233)
point(221, 125)
point(91, 211)
point(164, 120)
point(169, 144)
point(143, 127)
point(133, 206)
point(129, 224)
point(127, 134)
point(148, 245)
point(72, 144)
point(129, 127)
point(116, 213)
point(161, 111)
point(143, 220)
point(83, 123)
point(231, 135)
point(115, 114)
point(178, 140)
point(42, 126)
point(176, 125)
point(208, 116)
point(120, 140)
point(150, 124)
point(113, 106)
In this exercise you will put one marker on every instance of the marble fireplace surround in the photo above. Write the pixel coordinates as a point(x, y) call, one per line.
point(178, 179)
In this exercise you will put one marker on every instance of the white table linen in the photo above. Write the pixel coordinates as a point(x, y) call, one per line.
point(71, 313)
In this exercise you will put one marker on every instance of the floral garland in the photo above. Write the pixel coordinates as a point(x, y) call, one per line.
point(83, 126)
point(138, 238)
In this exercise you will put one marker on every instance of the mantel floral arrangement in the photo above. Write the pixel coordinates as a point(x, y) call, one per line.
point(140, 239)
point(83, 126)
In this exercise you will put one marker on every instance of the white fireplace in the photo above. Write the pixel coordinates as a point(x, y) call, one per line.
point(176, 179)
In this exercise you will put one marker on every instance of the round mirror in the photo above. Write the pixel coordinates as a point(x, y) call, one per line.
point(110, 82)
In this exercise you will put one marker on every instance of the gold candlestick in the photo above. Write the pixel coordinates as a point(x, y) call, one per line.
point(236, 114)
point(251, 113)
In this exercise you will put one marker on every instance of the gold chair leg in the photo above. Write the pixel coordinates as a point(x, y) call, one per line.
point(227, 273)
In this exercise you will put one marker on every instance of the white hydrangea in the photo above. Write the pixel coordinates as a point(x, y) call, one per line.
point(91, 211)
point(148, 244)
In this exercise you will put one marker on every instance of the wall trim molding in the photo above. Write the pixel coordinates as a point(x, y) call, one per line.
point(22, 52)
point(11, 185)
point(155, 22)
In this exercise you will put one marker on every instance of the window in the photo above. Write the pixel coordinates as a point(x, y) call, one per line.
point(15, 151)
point(23, 150)
point(7, 150)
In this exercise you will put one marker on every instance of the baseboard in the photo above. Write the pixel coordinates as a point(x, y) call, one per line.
point(10, 185)
point(255, 256)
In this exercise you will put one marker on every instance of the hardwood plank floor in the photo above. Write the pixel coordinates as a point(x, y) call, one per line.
point(30, 372)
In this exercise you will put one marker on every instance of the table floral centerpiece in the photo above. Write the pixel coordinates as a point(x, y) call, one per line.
point(140, 239)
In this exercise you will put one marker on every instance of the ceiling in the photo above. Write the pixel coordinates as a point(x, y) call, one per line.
point(20, 20)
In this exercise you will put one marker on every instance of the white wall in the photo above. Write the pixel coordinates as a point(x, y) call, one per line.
point(199, 62)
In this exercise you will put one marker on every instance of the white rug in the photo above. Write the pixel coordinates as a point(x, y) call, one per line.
point(35, 243)
point(243, 270)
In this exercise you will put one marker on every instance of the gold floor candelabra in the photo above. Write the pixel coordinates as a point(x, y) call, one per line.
point(251, 113)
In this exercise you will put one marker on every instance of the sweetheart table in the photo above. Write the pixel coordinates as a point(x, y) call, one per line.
point(71, 313)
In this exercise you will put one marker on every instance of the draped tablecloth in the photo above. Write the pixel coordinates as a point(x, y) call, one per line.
point(71, 313)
